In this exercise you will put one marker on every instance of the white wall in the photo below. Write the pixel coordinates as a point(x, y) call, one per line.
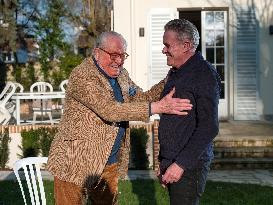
point(14, 148)
point(265, 17)
point(130, 15)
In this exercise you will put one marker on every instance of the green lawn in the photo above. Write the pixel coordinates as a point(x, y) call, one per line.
point(149, 192)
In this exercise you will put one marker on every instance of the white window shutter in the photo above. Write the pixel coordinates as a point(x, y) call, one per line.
point(158, 68)
point(246, 66)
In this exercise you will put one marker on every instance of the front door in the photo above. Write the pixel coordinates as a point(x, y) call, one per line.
point(213, 45)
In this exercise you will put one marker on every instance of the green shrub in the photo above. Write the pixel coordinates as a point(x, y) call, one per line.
point(17, 72)
point(46, 136)
point(4, 148)
point(30, 143)
point(139, 139)
point(29, 76)
point(37, 141)
point(68, 62)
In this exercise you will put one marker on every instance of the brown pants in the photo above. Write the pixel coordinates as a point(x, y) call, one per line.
point(102, 193)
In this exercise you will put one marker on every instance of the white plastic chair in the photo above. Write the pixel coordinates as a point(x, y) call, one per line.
point(32, 173)
point(11, 105)
point(41, 107)
point(41, 87)
point(5, 112)
point(63, 85)
point(19, 87)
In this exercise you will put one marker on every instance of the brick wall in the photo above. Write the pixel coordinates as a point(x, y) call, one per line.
point(156, 145)
point(19, 128)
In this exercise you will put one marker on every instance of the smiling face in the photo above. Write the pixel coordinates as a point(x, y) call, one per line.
point(174, 49)
point(111, 65)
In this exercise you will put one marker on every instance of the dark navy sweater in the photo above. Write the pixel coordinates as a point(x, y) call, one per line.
point(187, 140)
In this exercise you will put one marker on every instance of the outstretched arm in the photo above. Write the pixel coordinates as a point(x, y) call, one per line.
point(170, 105)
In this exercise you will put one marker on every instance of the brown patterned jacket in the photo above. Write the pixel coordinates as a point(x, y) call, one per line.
point(86, 133)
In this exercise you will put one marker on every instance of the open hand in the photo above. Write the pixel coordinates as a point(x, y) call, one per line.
point(170, 105)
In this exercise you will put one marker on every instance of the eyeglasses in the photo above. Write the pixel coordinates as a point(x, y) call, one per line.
point(114, 56)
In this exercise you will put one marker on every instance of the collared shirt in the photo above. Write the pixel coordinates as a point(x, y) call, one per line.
point(122, 125)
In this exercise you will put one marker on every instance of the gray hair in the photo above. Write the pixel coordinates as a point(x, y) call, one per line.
point(184, 29)
point(102, 40)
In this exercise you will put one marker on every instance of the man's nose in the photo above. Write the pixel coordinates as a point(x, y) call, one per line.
point(164, 50)
point(119, 60)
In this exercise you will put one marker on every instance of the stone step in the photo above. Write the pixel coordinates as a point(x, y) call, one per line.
point(243, 141)
point(243, 163)
point(238, 152)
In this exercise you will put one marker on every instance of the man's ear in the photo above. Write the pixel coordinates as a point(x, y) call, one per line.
point(96, 53)
point(187, 46)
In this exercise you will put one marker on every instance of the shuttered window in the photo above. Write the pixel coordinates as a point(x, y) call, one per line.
point(157, 20)
point(246, 66)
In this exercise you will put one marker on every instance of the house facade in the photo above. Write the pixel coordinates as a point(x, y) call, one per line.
point(236, 37)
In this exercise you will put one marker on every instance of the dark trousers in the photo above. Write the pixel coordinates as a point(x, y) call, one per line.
point(188, 190)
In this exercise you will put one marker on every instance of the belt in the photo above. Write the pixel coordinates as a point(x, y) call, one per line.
point(117, 124)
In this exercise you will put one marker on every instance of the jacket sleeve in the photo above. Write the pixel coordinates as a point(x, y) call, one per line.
point(94, 93)
point(151, 95)
point(207, 126)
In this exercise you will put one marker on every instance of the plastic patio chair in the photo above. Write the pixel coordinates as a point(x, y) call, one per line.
point(11, 105)
point(5, 95)
point(41, 107)
point(62, 87)
point(32, 173)
point(19, 87)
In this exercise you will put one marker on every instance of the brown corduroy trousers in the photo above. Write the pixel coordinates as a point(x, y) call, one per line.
point(104, 192)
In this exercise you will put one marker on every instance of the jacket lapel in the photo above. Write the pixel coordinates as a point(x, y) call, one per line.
point(124, 86)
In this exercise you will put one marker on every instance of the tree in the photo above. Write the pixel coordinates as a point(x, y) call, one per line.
point(55, 25)
point(4, 148)
point(93, 17)
point(50, 34)
point(8, 25)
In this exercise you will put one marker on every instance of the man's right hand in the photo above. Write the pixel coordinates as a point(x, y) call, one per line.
point(170, 105)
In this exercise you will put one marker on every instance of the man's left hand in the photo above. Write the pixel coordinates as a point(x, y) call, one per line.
point(172, 174)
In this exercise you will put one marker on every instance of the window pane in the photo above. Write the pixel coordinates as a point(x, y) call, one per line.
point(219, 20)
point(210, 55)
point(219, 38)
point(220, 55)
point(221, 71)
point(210, 38)
point(209, 19)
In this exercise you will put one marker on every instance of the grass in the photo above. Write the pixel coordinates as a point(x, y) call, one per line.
point(149, 192)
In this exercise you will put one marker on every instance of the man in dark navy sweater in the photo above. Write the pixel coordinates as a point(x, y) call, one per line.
point(186, 141)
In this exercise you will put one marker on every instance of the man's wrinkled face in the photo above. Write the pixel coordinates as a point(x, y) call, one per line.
point(111, 56)
point(174, 49)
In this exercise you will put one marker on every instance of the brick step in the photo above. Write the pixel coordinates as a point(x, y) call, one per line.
point(243, 141)
point(238, 152)
point(242, 163)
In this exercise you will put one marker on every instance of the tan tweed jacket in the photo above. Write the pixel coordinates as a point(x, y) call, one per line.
point(85, 135)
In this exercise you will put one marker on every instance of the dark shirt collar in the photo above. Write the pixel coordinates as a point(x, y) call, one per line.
point(189, 64)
